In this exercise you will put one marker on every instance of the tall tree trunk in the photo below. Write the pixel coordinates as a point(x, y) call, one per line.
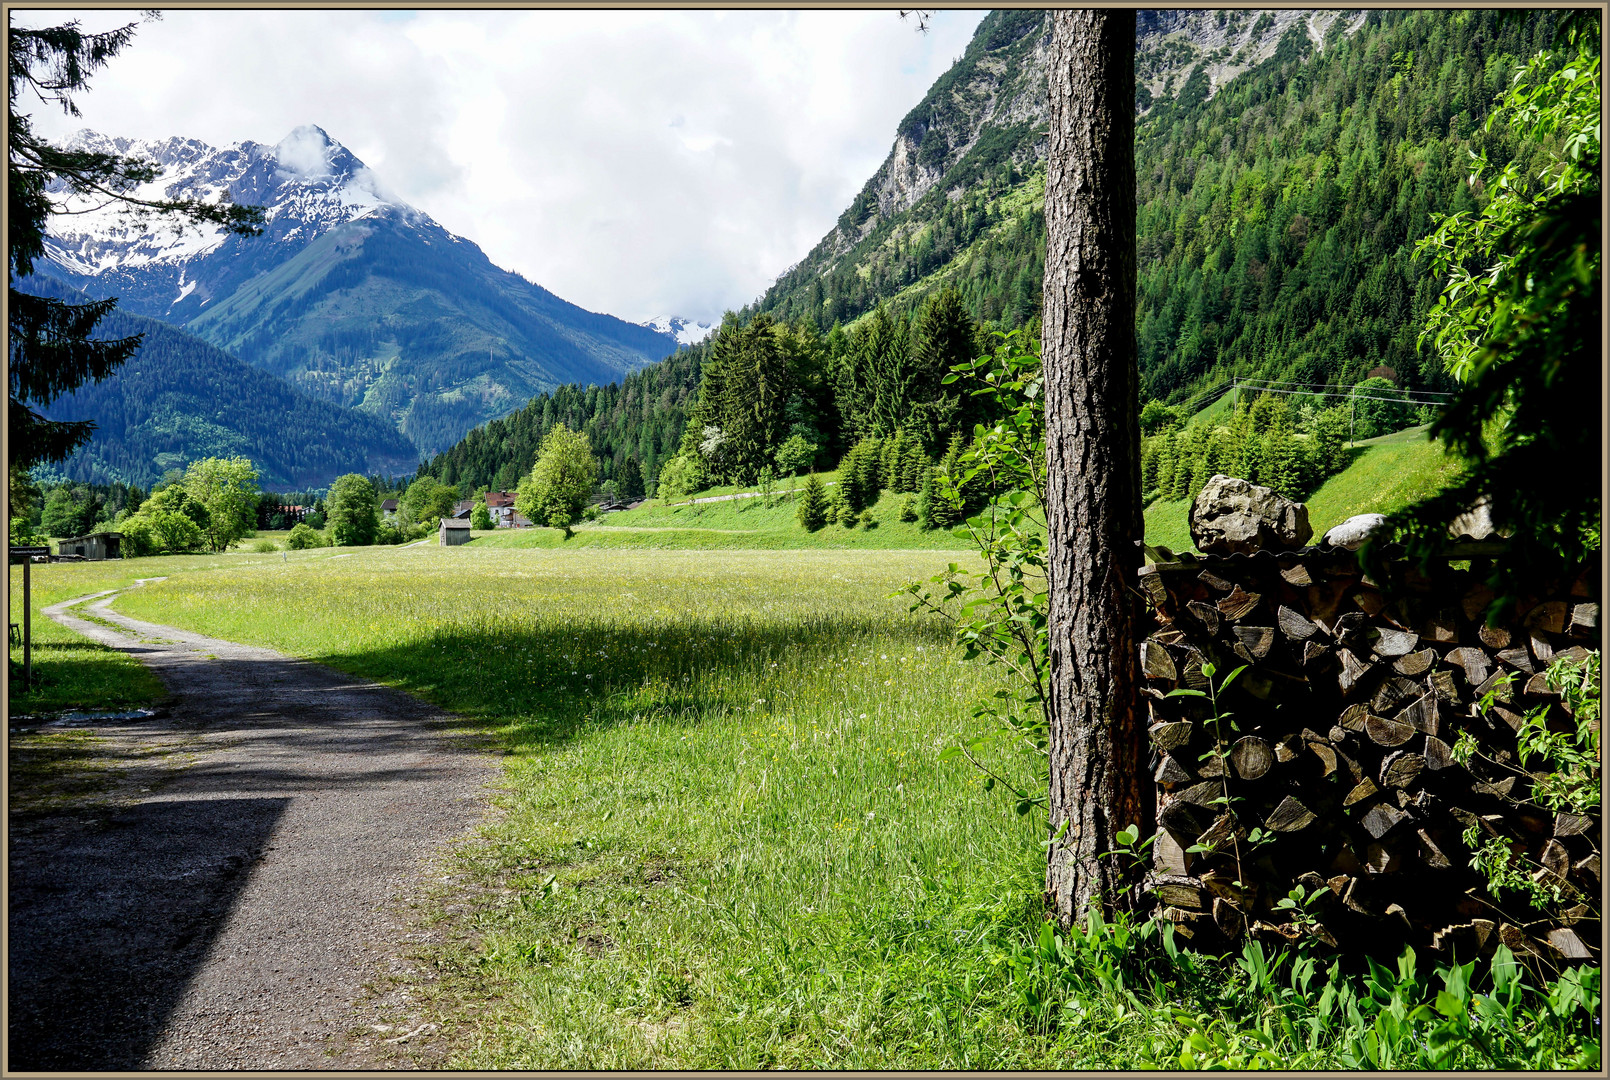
point(1097, 746)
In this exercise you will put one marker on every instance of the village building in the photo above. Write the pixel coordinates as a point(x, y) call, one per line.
point(500, 504)
point(454, 531)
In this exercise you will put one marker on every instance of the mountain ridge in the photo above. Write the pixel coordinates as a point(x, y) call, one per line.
point(350, 293)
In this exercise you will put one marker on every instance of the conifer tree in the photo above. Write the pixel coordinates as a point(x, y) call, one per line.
point(913, 465)
point(51, 351)
point(943, 339)
point(812, 511)
point(889, 461)
point(631, 481)
point(868, 468)
point(848, 490)
point(926, 499)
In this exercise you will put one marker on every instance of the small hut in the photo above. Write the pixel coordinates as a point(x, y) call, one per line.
point(94, 547)
point(455, 531)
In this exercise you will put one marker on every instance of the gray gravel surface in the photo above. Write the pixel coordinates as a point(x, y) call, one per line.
point(230, 917)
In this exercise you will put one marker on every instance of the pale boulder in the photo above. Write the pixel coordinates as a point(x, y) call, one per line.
point(1352, 533)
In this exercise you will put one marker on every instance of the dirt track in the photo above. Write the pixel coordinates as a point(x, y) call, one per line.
point(229, 918)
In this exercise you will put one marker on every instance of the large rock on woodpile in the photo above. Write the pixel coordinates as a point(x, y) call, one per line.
point(1352, 533)
point(1233, 516)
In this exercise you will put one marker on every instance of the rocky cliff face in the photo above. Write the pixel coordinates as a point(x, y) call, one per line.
point(996, 93)
point(964, 178)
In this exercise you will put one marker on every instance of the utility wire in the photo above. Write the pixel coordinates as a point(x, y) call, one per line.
point(1251, 385)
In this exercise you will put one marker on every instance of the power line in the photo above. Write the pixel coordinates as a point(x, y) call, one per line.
point(1252, 385)
point(1349, 396)
point(1291, 382)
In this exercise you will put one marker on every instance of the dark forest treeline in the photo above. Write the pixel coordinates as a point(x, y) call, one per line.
point(179, 399)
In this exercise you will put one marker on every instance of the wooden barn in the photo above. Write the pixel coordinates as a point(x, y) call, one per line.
point(94, 547)
point(455, 531)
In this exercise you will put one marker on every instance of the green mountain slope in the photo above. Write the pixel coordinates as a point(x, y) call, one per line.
point(642, 416)
point(180, 399)
point(1388, 474)
point(1285, 168)
point(401, 319)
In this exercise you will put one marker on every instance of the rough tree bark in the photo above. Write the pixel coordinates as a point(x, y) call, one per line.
point(1097, 744)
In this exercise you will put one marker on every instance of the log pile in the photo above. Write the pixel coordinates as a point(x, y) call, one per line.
point(1335, 770)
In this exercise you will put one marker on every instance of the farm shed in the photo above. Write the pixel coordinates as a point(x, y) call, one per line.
point(94, 547)
point(454, 531)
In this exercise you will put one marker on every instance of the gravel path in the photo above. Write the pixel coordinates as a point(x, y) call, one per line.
point(230, 917)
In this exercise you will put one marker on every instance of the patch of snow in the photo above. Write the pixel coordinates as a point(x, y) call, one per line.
point(307, 184)
point(185, 287)
point(686, 331)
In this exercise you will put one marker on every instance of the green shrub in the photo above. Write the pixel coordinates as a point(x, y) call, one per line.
point(263, 547)
point(680, 477)
point(303, 536)
point(795, 455)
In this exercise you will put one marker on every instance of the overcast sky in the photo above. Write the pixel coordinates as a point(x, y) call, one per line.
point(636, 162)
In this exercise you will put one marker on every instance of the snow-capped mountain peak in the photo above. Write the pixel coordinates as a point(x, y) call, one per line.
point(307, 184)
point(686, 331)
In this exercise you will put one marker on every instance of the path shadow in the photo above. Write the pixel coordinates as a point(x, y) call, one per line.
point(108, 925)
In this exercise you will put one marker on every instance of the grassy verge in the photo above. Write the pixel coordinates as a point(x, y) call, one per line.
point(69, 670)
point(72, 672)
point(784, 484)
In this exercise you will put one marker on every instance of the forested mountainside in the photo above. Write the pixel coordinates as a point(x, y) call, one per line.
point(642, 416)
point(179, 399)
point(1287, 162)
point(1278, 208)
point(350, 293)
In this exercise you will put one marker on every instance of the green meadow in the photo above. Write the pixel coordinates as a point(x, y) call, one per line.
point(727, 834)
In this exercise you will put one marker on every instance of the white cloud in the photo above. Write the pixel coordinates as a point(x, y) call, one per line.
point(635, 162)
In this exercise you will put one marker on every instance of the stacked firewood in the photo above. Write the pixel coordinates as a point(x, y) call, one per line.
point(1326, 799)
